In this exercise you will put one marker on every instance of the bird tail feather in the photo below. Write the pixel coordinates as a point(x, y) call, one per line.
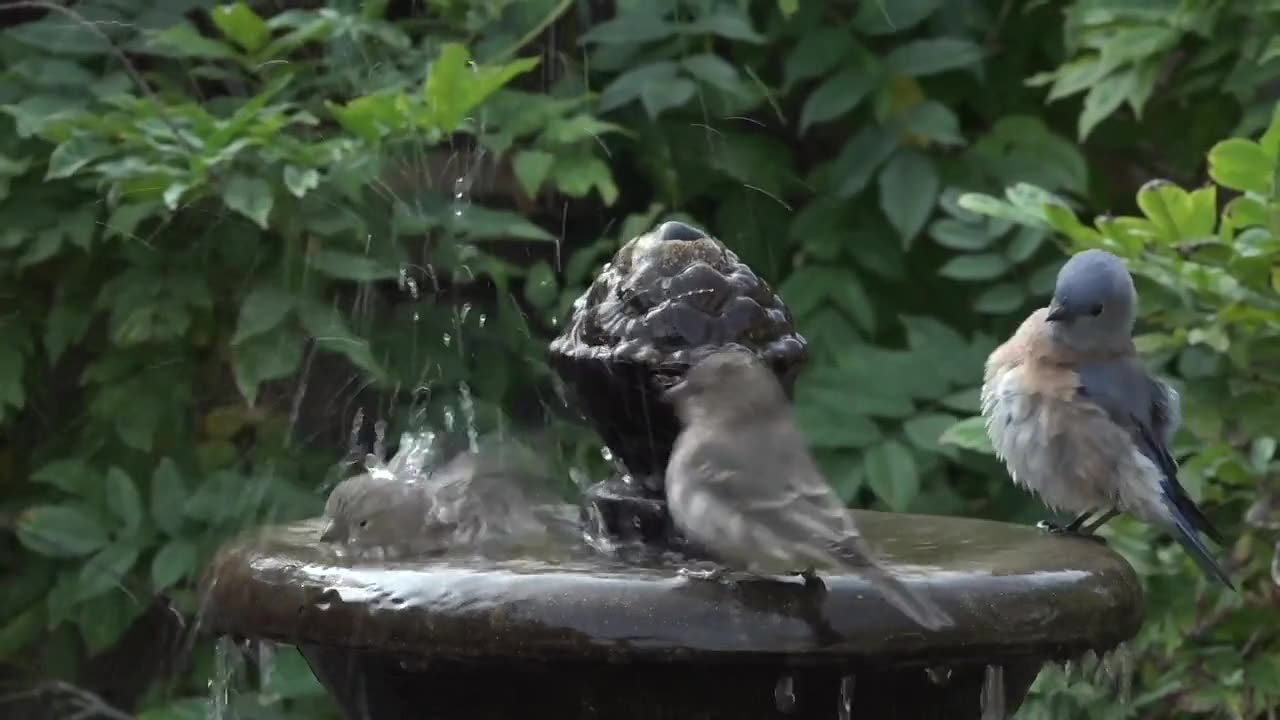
point(920, 609)
point(1184, 532)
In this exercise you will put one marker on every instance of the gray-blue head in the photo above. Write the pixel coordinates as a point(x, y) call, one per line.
point(1094, 303)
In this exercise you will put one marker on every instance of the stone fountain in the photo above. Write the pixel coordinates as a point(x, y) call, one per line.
point(586, 633)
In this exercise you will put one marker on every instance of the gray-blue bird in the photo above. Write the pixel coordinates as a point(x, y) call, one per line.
point(1079, 421)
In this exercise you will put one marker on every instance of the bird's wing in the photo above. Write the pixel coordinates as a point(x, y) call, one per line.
point(1149, 410)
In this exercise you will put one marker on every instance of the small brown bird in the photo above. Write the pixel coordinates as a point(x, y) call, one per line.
point(478, 500)
point(742, 483)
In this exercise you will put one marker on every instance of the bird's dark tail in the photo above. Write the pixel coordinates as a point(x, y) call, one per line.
point(856, 555)
point(920, 609)
point(1185, 523)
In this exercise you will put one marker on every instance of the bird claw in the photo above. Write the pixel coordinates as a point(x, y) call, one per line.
point(1055, 529)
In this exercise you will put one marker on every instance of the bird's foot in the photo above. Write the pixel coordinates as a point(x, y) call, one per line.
point(1056, 529)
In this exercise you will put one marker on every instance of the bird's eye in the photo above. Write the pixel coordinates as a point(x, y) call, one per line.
point(364, 523)
point(1096, 310)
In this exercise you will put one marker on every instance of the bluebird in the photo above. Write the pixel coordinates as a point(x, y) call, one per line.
point(742, 484)
point(1079, 421)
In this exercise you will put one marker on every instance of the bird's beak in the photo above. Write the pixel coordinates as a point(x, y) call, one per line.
point(675, 392)
point(332, 533)
point(1058, 312)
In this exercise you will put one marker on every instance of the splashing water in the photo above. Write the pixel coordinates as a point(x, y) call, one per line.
point(784, 694)
point(468, 415)
point(414, 456)
point(226, 658)
point(992, 698)
point(844, 710)
point(939, 675)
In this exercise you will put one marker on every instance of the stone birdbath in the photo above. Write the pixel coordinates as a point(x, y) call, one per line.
point(581, 633)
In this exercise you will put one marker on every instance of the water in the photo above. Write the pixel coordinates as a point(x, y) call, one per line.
point(992, 699)
point(784, 694)
point(844, 710)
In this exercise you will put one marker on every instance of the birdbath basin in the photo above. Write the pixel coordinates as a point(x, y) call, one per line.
point(581, 636)
point(574, 632)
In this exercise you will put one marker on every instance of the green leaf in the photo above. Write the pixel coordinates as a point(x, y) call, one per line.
point(909, 188)
point(482, 223)
point(716, 72)
point(829, 422)
point(816, 53)
point(265, 357)
point(262, 311)
point(71, 475)
point(106, 570)
point(330, 332)
point(1025, 242)
point(1000, 299)
point(455, 85)
point(629, 28)
point(249, 196)
point(70, 156)
point(1242, 165)
point(18, 631)
point(892, 474)
point(837, 95)
point(629, 85)
point(958, 235)
point(924, 430)
point(970, 434)
point(300, 181)
point(60, 531)
point(103, 619)
point(673, 93)
point(12, 370)
point(168, 492)
point(531, 168)
point(1104, 98)
point(185, 41)
point(727, 23)
point(123, 498)
point(242, 25)
point(173, 562)
point(931, 56)
point(979, 266)
point(350, 266)
point(935, 122)
point(860, 158)
point(810, 286)
point(540, 286)
point(888, 17)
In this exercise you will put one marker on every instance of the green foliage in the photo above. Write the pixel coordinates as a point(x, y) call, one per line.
point(1211, 309)
point(213, 214)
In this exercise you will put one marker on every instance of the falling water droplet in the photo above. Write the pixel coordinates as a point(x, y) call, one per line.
point(469, 416)
point(482, 319)
point(372, 462)
point(939, 674)
point(464, 312)
point(784, 694)
point(380, 439)
point(447, 339)
point(845, 709)
point(448, 419)
point(606, 453)
point(992, 698)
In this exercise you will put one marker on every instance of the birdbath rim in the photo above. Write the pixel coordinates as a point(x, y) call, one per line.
point(1013, 591)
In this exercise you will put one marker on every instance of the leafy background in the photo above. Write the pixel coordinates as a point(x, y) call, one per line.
point(228, 229)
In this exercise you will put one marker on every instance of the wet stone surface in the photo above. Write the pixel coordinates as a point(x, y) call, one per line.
point(579, 635)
